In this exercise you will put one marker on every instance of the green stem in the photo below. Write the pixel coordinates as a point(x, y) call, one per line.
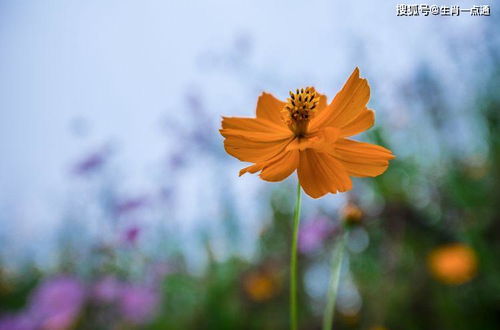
point(293, 263)
point(337, 257)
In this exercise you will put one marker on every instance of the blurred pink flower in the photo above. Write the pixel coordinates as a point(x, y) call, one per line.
point(92, 162)
point(131, 204)
point(313, 233)
point(21, 321)
point(131, 234)
point(138, 304)
point(107, 290)
point(56, 303)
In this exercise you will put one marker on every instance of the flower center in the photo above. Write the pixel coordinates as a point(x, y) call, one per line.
point(299, 109)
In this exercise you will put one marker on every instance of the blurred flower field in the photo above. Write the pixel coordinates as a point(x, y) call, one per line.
point(196, 247)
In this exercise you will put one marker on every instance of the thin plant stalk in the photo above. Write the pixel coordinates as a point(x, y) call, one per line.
point(293, 263)
point(337, 259)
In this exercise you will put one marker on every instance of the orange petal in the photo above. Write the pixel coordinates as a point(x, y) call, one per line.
point(347, 104)
point(253, 136)
point(253, 140)
point(320, 173)
point(281, 168)
point(363, 122)
point(252, 168)
point(322, 102)
point(269, 108)
point(276, 169)
point(362, 159)
point(253, 151)
point(253, 125)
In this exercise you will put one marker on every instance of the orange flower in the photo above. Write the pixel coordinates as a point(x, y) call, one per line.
point(351, 214)
point(261, 286)
point(453, 263)
point(307, 135)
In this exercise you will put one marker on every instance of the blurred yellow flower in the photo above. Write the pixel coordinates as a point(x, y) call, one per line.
point(351, 320)
point(453, 264)
point(351, 214)
point(308, 135)
point(261, 285)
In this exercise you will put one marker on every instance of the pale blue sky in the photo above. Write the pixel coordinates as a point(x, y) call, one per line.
point(124, 66)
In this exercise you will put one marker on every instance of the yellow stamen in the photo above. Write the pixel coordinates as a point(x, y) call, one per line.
point(299, 109)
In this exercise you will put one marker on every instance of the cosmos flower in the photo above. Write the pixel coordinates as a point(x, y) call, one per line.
point(453, 264)
point(308, 135)
point(93, 162)
point(54, 305)
point(21, 321)
point(313, 233)
point(132, 234)
point(130, 205)
point(351, 214)
point(57, 302)
point(261, 285)
point(107, 290)
point(138, 304)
